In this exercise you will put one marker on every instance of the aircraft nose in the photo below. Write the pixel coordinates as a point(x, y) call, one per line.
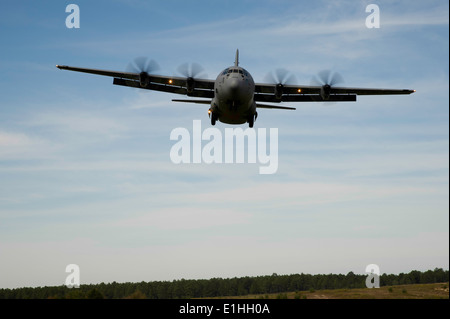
point(233, 84)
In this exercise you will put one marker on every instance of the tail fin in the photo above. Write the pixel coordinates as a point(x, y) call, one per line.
point(236, 61)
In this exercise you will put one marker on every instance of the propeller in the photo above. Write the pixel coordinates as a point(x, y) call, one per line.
point(144, 66)
point(280, 77)
point(326, 79)
point(191, 71)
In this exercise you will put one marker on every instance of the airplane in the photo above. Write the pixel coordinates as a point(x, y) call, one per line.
point(234, 96)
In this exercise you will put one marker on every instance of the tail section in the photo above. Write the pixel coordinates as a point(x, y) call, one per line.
point(236, 61)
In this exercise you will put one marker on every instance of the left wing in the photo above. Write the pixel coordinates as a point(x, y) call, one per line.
point(178, 85)
point(292, 93)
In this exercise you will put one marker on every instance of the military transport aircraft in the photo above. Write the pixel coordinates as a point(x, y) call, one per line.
point(234, 96)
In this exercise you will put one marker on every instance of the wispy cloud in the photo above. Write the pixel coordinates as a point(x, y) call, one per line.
point(18, 145)
point(186, 217)
point(77, 122)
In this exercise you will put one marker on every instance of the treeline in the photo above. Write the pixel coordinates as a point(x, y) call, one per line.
point(217, 287)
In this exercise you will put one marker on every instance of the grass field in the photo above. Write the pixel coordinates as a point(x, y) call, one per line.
point(420, 291)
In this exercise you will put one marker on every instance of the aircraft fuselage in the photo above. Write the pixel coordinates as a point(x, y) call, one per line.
point(233, 101)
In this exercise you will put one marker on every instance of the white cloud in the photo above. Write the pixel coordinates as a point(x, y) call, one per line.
point(14, 140)
point(77, 122)
point(186, 217)
point(16, 145)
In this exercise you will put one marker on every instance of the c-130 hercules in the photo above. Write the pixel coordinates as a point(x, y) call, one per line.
point(234, 96)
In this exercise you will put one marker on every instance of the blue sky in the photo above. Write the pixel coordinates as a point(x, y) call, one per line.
point(85, 172)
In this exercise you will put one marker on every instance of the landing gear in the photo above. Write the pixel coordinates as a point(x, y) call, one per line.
point(213, 118)
point(252, 119)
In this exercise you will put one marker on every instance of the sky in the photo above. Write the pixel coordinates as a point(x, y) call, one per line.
point(86, 176)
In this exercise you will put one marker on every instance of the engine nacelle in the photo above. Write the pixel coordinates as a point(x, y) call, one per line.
point(278, 91)
point(144, 79)
point(325, 91)
point(190, 85)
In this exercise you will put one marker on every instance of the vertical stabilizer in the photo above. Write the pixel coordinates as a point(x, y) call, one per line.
point(236, 61)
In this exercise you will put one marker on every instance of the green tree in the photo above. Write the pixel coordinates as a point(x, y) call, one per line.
point(75, 293)
point(137, 295)
point(94, 294)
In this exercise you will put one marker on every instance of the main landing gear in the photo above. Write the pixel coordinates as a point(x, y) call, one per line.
point(251, 120)
point(212, 116)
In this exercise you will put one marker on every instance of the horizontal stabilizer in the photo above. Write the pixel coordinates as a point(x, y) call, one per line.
point(265, 106)
point(193, 101)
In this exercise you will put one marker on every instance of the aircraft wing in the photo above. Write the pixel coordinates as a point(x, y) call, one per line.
point(178, 85)
point(292, 93)
point(204, 88)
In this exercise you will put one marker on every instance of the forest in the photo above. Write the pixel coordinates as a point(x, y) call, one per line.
point(217, 287)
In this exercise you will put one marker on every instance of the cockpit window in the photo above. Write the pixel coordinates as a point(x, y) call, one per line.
point(238, 70)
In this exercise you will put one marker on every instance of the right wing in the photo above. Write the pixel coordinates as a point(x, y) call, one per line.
point(178, 85)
